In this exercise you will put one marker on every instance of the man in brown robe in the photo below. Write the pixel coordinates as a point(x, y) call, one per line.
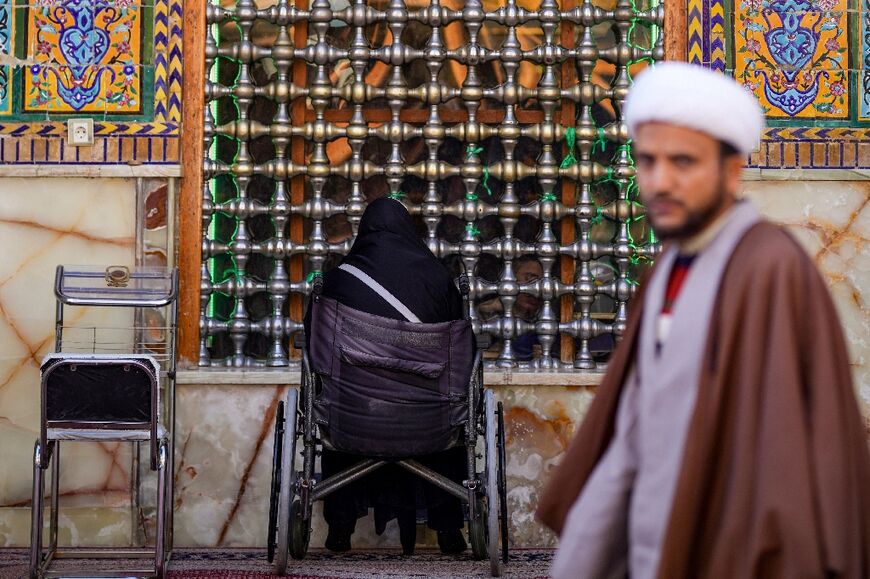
point(725, 440)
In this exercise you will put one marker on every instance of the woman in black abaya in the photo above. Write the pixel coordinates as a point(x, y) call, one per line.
point(388, 249)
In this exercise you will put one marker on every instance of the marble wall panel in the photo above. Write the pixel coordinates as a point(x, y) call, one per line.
point(77, 526)
point(224, 462)
point(539, 423)
point(225, 451)
point(832, 221)
point(44, 223)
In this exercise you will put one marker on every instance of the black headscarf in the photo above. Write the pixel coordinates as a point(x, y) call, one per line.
point(389, 250)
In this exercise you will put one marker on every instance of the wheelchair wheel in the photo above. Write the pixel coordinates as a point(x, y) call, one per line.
point(502, 483)
point(275, 487)
point(300, 531)
point(283, 483)
point(477, 531)
point(492, 494)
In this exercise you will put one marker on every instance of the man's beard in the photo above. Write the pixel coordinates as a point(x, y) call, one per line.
point(696, 221)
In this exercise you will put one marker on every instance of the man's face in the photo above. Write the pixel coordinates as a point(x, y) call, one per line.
point(684, 182)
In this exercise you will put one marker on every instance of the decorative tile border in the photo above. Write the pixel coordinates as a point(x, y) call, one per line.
point(147, 141)
point(121, 150)
point(716, 44)
point(167, 60)
point(816, 134)
point(101, 129)
point(810, 143)
point(695, 32)
point(706, 29)
point(812, 154)
point(864, 105)
point(7, 28)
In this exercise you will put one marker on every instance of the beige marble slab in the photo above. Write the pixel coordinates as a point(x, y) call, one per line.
point(45, 222)
point(102, 171)
point(225, 452)
point(225, 445)
point(832, 221)
point(806, 175)
point(539, 424)
point(77, 527)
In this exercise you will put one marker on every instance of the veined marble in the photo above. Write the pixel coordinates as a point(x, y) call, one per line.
point(539, 424)
point(832, 221)
point(43, 223)
point(224, 464)
point(224, 457)
point(224, 454)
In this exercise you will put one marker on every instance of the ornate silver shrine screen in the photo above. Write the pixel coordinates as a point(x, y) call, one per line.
point(497, 122)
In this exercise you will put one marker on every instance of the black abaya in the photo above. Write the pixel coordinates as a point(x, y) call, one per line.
point(388, 249)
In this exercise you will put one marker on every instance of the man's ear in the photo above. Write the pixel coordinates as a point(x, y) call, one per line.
point(732, 173)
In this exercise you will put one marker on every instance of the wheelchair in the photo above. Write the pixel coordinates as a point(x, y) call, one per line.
point(387, 391)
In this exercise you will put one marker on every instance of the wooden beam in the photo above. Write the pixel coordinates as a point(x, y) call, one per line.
point(190, 198)
point(297, 184)
point(676, 29)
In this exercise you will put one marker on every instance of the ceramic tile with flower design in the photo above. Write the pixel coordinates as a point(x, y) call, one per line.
point(793, 54)
point(87, 56)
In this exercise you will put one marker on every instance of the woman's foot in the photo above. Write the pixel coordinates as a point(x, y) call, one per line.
point(451, 542)
point(338, 538)
point(407, 532)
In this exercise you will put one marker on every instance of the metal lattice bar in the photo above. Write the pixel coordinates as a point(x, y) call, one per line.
point(459, 109)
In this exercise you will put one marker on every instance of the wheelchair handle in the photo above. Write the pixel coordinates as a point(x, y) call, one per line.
point(464, 286)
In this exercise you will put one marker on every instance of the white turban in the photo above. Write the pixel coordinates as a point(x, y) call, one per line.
point(697, 98)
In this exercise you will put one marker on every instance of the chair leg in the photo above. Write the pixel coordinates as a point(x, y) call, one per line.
point(135, 498)
point(169, 521)
point(36, 511)
point(55, 495)
point(160, 539)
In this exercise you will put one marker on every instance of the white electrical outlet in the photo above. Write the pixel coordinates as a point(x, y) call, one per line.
point(80, 132)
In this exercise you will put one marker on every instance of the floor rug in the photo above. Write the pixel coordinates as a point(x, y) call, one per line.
point(252, 564)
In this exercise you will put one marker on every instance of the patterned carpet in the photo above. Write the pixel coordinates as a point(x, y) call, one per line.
point(252, 564)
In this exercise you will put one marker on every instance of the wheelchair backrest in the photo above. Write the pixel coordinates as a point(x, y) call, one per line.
point(389, 388)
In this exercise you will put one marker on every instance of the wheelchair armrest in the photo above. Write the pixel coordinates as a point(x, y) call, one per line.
point(483, 342)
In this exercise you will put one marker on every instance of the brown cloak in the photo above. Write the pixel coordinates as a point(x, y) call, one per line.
point(775, 479)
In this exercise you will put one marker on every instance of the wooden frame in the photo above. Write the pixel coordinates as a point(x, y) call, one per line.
point(675, 29)
point(190, 198)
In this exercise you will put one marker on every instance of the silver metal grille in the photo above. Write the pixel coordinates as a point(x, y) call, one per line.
point(496, 122)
